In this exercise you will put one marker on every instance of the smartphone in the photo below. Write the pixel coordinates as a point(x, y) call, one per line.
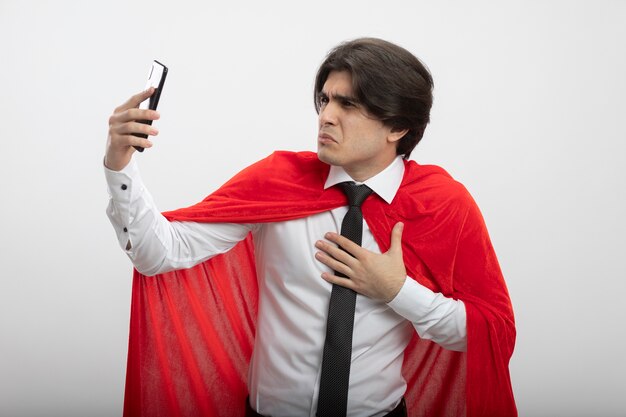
point(156, 79)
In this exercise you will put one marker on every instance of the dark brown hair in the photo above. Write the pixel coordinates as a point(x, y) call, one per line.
point(389, 81)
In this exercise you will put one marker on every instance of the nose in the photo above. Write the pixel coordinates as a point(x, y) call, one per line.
point(328, 115)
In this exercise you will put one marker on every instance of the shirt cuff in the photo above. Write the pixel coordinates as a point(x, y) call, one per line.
point(125, 185)
point(414, 300)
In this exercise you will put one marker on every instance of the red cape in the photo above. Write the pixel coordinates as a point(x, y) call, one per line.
point(192, 331)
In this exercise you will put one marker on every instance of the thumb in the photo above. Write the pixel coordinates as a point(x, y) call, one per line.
point(396, 238)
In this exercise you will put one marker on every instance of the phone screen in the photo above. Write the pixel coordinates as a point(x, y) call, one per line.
point(156, 79)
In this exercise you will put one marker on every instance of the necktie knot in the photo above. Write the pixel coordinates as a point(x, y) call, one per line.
point(356, 193)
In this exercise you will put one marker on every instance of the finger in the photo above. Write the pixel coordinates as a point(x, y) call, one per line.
point(142, 114)
point(396, 238)
point(334, 279)
point(130, 115)
point(336, 252)
point(135, 127)
point(348, 245)
point(132, 140)
point(136, 100)
point(333, 264)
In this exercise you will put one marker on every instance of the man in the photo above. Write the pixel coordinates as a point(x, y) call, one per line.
point(435, 287)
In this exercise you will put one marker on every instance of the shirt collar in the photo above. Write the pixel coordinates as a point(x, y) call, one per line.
point(386, 183)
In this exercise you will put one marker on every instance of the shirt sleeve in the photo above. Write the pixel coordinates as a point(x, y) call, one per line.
point(434, 316)
point(153, 244)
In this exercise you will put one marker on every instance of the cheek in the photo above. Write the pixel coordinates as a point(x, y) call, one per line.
point(367, 141)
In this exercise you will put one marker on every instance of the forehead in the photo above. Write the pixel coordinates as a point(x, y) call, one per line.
point(338, 83)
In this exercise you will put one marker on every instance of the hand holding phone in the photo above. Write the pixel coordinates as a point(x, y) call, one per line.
point(156, 79)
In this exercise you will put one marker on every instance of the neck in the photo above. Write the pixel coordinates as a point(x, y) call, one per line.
point(367, 171)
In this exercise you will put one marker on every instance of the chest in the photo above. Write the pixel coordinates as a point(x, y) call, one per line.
point(291, 244)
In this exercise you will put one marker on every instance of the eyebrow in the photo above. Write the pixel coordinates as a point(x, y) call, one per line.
point(339, 97)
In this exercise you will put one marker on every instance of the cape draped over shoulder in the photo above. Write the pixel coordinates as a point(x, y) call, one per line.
point(192, 330)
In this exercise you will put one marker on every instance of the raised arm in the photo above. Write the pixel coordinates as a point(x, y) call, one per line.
point(153, 244)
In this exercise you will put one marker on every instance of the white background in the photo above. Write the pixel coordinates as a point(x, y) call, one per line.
point(529, 114)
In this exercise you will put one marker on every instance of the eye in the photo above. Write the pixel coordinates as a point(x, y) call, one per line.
point(347, 103)
point(322, 100)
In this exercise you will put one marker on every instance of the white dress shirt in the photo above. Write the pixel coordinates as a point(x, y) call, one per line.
point(285, 368)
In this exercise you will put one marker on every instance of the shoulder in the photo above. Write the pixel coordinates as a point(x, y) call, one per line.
point(286, 160)
point(304, 159)
point(433, 184)
point(432, 201)
point(285, 167)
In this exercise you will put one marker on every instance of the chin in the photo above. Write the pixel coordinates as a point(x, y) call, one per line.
point(326, 156)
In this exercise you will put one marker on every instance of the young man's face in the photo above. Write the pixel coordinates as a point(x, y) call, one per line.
point(348, 135)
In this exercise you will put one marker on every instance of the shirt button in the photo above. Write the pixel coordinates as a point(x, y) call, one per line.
point(125, 230)
point(124, 186)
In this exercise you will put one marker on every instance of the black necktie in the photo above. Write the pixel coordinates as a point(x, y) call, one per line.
point(335, 378)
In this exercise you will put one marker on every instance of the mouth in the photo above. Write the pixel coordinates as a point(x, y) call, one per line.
point(325, 138)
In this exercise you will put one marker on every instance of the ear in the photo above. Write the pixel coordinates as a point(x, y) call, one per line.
point(396, 134)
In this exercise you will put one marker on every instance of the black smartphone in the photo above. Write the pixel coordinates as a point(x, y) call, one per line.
point(156, 79)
